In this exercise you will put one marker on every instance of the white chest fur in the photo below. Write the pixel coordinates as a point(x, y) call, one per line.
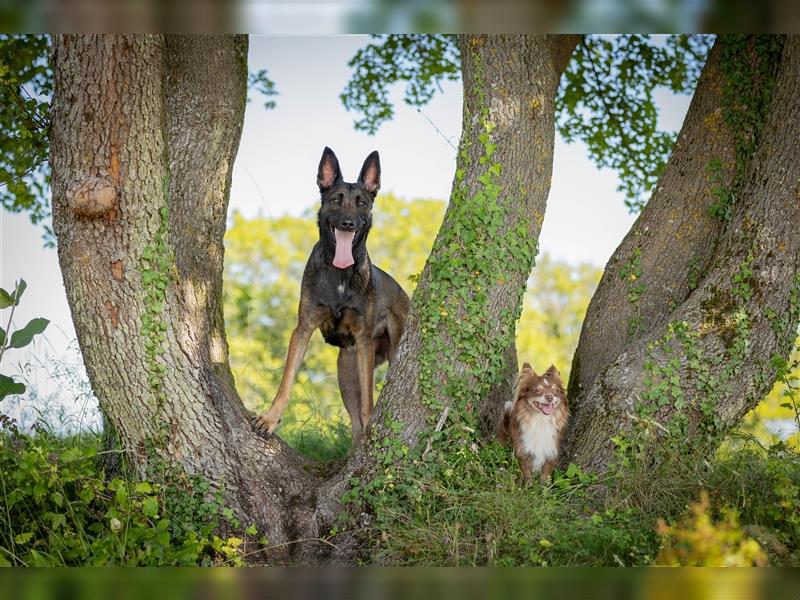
point(539, 438)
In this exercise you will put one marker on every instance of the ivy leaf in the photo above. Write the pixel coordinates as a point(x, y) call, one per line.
point(23, 337)
point(9, 387)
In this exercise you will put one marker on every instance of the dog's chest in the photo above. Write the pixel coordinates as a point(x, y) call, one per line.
point(538, 438)
point(337, 296)
point(343, 309)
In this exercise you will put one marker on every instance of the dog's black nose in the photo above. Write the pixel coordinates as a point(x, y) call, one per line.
point(348, 225)
point(549, 398)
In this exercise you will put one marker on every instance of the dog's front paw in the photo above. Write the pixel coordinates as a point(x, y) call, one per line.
point(264, 424)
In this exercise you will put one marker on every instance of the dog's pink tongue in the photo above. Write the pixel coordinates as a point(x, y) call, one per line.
point(344, 249)
point(547, 409)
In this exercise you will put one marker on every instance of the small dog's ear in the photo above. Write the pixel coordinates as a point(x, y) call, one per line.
point(552, 371)
point(370, 176)
point(526, 366)
point(328, 173)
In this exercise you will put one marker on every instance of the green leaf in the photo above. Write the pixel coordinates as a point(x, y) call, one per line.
point(59, 520)
point(23, 538)
point(5, 299)
point(9, 387)
point(71, 455)
point(150, 507)
point(23, 337)
point(143, 487)
point(19, 290)
point(2, 337)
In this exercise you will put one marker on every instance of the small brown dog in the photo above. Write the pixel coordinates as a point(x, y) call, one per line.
point(533, 422)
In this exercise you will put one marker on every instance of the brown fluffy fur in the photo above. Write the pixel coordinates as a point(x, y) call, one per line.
point(534, 435)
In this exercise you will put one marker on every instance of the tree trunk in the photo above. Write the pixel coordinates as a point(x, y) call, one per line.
point(698, 368)
point(145, 130)
point(457, 351)
point(669, 248)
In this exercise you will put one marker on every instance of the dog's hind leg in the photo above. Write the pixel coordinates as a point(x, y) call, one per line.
point(294, 357)
point(349, 387)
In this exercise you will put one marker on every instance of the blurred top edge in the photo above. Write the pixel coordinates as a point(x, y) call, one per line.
point(399, 16)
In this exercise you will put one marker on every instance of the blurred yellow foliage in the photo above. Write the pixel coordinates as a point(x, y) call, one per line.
point(699, 541)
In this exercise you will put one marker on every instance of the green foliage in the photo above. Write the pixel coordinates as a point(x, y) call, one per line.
point(473, 510)
point(746, 97)
point(631, 274)
point(422, 61)
point(26, 84)
point(261, 83)
point(606, 97)
point(762, 484)
point(466, 505)
point(60, 510)
point(155, 269)
point(18, 338)
point(699, 541)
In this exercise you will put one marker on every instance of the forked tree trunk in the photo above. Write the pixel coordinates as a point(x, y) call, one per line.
point(703, 365)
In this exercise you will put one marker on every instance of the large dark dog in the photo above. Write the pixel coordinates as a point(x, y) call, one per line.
point(355, 305)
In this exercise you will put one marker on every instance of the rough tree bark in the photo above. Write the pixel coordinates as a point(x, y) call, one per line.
point(704, 364)
point(144, 136)
point(669, 247)
point(509, 95)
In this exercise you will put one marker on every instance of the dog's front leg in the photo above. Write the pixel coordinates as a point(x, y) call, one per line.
point(365, 348)
point(297, 350)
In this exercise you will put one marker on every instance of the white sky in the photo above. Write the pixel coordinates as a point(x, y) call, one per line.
point(275, 170)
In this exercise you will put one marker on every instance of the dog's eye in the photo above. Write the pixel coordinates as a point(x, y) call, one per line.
point(337, 199)
point(360, 202)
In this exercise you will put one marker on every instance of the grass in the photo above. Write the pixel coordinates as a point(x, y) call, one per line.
point(478, 513)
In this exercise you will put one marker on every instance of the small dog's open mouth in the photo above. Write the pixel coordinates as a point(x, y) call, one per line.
point(344, 248)
point(545, 408)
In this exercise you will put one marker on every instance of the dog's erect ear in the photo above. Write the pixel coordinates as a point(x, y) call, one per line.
point(370, 176)
point(328, 173)
point(552, 371)
point(527, 368)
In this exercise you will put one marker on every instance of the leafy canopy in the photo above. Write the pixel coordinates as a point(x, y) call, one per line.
point(26, 84)
point(606, 97)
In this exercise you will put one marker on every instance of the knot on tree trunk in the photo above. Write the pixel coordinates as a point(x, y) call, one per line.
point(93, 197)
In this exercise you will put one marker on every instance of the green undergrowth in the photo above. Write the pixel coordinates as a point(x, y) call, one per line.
point(58, 507)
point(475, 511)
